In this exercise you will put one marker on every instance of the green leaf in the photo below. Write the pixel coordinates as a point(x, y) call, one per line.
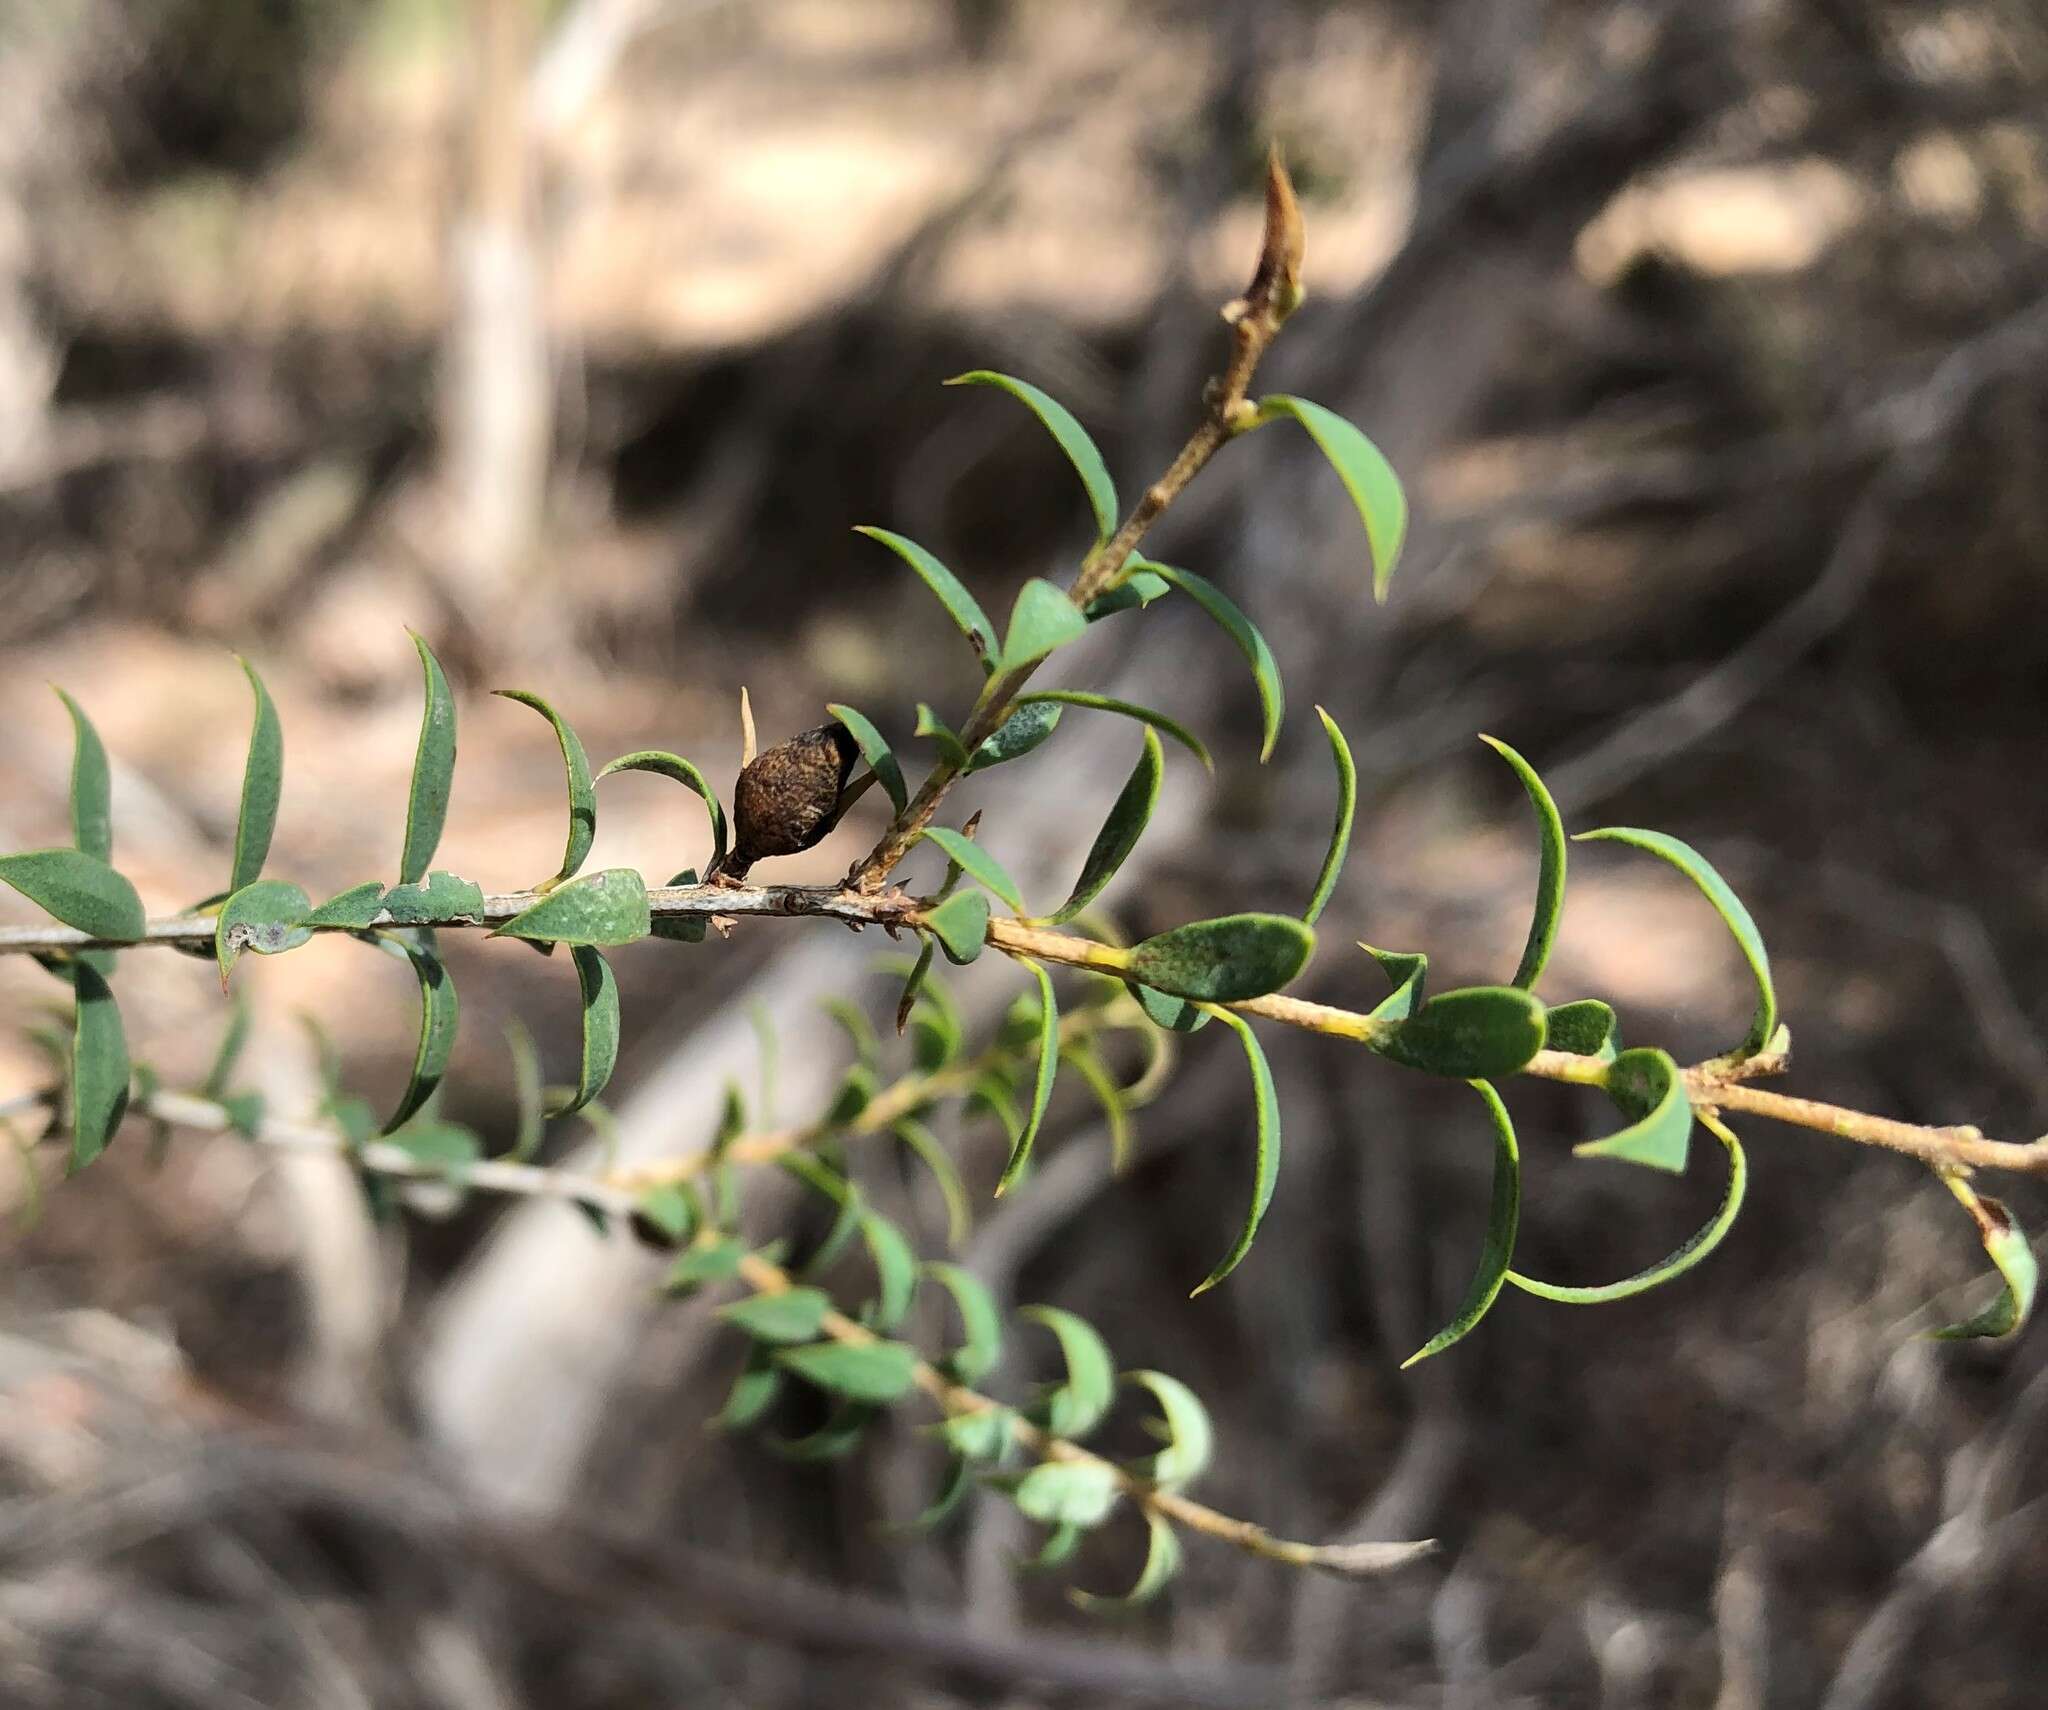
point(526, 1091)
point(1057, 1550)
point(262, 784)
point(1648, 1087)
point(881, 758)
point(960, 924)
point(440, 899)
point(1265, 670)
point(981, 1325)
point(1091, 1068)
point(666, 1213)
point(1340, 829)
point(1688, 860)
point(433, 771)
point(913, 984)
point(1266, 1170)
point(1042, 1080)
point(1074, 1408)
point(1072, 437)
point(935, 1036)
point(267, 917)
point(1068, 1493)
point(1162, 1562)
point(753, 1391)
point(1476, 1033)
point(1042, 620)
point(220, 1076)
point(707, 1261)
point(985, 1434)
point(1024, 730)
point(1584, 1028)
point(1407, 973)
point(353, 909)
point(895, 1271)
point(874, 1372)
point(598, 989)
point(960, 605)
point(1190, 1438)
point(605, 909)
point(2011, 1252)
point(1225, 960)
point(838, 1437)
point(1129, 814)
point(438, 1015)
point(1176, 1015)
point(952, 1191)
point(582, 791)
point(679, 928)
point(1550, 871)
point(244, 1111)
point(96, 1090)
point(92, 798)
point(1503, 1219)
point(959, 1480)
point(1137, 588)
point(447, 1148)
point(792, 1315)
point(1054, 699)
point(1703, 1242)
point(859, 1031)
point(856, 1092)
point(977, 863)
point(673, 766)
point(80, 890)
point(943, 736)
point(1367, 476)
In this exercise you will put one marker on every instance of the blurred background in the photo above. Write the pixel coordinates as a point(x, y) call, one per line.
point(1711, 339)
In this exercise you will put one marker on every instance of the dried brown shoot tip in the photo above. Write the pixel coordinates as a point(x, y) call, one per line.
point(747, 748)
point(1275, 291)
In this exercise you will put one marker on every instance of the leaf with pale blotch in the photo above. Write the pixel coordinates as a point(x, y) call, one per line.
point(1162, 1562)
point(945, 1174)
point(1265, 669)
point(582, 790)
point(1407, 972)
point(895, 1272)
point(1129, 814)
point(1095, 1073)
point(1068, 1493)
point(433, 771)
point(78, 889)
point(92, 802)
point(1266, 1164)
point(1550, 871)
point(673, 766)
point(708, 1261)
point(1016, 736)
point(791, 1315)
point(1139, 588)
point(1649, 1088)
point(1584, 1028)
point(439, 900)
point(753, 1390)
point(439, 1012)
point(1697, 1247)
point(961, 606)
point(960, 924)
point(96, 1086)
point(1071, 437)
point(603, 910)
point(986, 1434)
point(1043, 619)
point(981, 1326)
point(1184, 1427)
point(1475, 1033)
point(977, 863)
point(598, 990)
point(1074, 1408)
point(1367, 476)
point(873, 1372)
point(2006, 1242)
point(1695, 866)
point(1340, 828)
point(267, 917)
point(1053, 699)
point(1503, 1219)
point(1225, 960)
point(352, 910)
point(881, 758)
point(943, 737)
point(262, 785)
point(1042, 1078)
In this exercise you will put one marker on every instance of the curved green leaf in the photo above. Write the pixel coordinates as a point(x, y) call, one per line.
point(673, 766)
point(352, 910)
point(709, 1260)
point(1088, 1064)
point(952, 1191)
point(1340, 829)
point(1176, 1015)
point(79, 890)
point(1190, 1438)
point(1072, 438)
point(262, 785)
point(1067, 1493)
point(960, 605)
point(959, 1481)
point(1056, 698)
point(1042, 619)
point(1695, 866)
point(1584, 1028)
point(1225, 960)
point(977, 863)
point(433, 771)
point(860, 1033)
point(267, 917)
point(605, 909)
point(753, 1391)
point(1265, 670)
point(92, 798)
point(1017, 735)
point(1475, 1033)
point(598, 989)
point(943, 736)
point(881, 758)
point(1703, 1242)
point(1367, 476)
point(582, 791)
point(874, 1372)
point(981, 1434)
point(438, 1016)
point(837, 1438)
point(1266, 1171)
point(527, 1093)
point(1503, 1219)
point(790, 1315)
point(1648, 1086)
point(1074, 1408)
point(1042, 1080)
point(895, 1271)
point(1129, 814)
point(1137, 588)
point(2011, 1252)
point(96, 1089)
point(960, 924)
point(1550, 871)
point(980, 1324)
point(1162, 1562)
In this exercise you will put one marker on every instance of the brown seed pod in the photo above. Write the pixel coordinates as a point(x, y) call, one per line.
point(786, 800)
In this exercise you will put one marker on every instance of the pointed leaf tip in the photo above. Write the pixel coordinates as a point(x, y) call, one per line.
point(1071, 437)
point(1367, 476)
